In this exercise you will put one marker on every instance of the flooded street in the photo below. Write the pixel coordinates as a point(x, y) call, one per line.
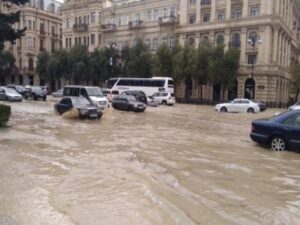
point(170, 165)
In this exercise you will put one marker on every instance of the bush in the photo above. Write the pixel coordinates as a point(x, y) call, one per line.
point(4, 114)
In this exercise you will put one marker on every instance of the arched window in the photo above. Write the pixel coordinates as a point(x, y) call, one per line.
point(191, 41)
point(249, 89)
point(205, 40)
point(253, 36)
point(220, 39)
point(30, 63)
point(236, 40)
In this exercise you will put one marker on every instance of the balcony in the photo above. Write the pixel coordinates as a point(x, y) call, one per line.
point(108, 27)
point(205, 3)
point(82, 27)
point(54, 36)
point(170, 20)
point(30, 51)
point(137, 24)
point(42, 32)
point(236, 2)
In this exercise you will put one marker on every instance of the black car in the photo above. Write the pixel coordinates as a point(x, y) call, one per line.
point(139, 95)
point(20, 89)
point(84, 107)
point(280, 132)
point(128, 102)
point(262, 105)
point(35, 92)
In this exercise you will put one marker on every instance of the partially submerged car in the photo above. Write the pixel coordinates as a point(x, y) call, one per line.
point(165, 98)
point(58, 93)
point(35, 92)
point(296, 106)
point(128, 102)
point(280, 132)
point(9, 94)
point(85, 108)
point(139, 95)
point(238, 105)
point(19, 88)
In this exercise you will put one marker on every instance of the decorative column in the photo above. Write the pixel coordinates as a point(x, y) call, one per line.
point(277, 7)
point(183, 12)
point(213, 11)
point(275, 44)
point(244, 42)
point(267, 44)
point(226, 39)
point(279, 49)
point(228, 9)
point(198, 11)
point(245, 8)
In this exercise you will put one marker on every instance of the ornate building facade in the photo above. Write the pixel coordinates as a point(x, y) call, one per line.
point(44, 29)
point(265, 31)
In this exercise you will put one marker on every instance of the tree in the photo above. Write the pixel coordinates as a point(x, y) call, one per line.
point(7, 33)
point(163, 64)
point(78, 61)
point(140, 61)
point(96, 66)
point(7, 65)
point(42, 65)
point(295, 71)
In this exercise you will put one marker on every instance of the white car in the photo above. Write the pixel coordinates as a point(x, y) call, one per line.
point(165, 98)
point(296, 106)
point(238, 105)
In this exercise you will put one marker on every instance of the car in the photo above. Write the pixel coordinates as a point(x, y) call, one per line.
point(35, 92)
point(9, 94)
point(296, 106)
point(46, 89)
point(262, 105)
point(92, 93)
point(85, 108)
point(280, 132)
point(139, 95)
point(238, 105)
point(165, 98)
point(19, 88)
point(58, 93)
point(128, 102)
point(152, 102)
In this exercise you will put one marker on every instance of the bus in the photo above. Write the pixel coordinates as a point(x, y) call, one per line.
point(148, 85)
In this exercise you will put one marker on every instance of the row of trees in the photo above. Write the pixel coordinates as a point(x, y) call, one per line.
point(205, 64)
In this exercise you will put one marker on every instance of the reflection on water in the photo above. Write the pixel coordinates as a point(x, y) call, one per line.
point(170, 165)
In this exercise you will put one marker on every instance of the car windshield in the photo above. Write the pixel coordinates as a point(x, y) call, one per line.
point(35, 88)
point(94, 91)
point(130, 98)
point(10, 90)
point(20, 88)
point(80, 101)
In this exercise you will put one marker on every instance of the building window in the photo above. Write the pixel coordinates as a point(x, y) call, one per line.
point(192, 19)
point(221, 15)
point(192, 2)
point(191, 41)
point(155, 14)
point(205, 40)
point(165, 14)
point(155, 43)
point(52, 46)
point(252, 59)
point(173, 12)
point(172, 42)
point(237, 13)
point(236, 40)
point(30, 64)
point(149, 16)
point(93, 17)
point(220, 39)
point(92, 39)
point(68, 23)
point(205, 2)
point(29, 25)
point(41, 45)
point(29, 42)
point(206, 17)
point(254, 11)
point(67, 42)
point(253, 36)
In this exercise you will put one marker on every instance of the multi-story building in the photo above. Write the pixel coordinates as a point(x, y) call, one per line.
point(265, 31)
point(44, 27)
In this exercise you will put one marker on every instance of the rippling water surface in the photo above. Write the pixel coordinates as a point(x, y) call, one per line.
point(170, 165)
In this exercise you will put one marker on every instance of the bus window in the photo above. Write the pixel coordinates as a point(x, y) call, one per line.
point(124, 82)
point(111, 82)
point(170, 83)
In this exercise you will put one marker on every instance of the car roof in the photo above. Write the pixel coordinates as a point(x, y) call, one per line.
point(80, 86)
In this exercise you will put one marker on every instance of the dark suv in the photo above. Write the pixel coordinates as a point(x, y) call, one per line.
point(139, 95)
point(35, 92)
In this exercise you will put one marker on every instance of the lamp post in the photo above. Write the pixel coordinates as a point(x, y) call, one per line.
point(112, 47)
point(253, 41)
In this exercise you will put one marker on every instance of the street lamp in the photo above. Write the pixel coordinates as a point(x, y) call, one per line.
point(253, 41)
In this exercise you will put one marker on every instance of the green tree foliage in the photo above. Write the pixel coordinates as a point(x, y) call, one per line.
point(163, 63)
point(96, 63)
point(7, 65)
point(7, 33)
point(5, 112)
point(42, 64)
point(78, 58)
point(139, 62)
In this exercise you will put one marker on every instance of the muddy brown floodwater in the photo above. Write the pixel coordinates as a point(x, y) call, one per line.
point(170, 165)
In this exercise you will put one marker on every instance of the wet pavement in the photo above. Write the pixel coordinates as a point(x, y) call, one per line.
point(170, 165)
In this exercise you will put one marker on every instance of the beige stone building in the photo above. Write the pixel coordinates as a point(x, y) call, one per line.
point(265, 31)
point(44, 28)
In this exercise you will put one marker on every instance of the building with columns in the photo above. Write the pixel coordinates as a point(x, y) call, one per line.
point(265, 31)
point(44, 27)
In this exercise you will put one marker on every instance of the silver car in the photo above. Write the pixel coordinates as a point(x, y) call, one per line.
point(9, 94)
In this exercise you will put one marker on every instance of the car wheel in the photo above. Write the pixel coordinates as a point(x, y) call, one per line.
point(278, 144)
point(250, 110)
point(164, 102)
point(34, 97)
point(223, 109)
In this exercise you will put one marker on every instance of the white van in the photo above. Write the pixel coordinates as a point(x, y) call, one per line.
point(92, 93)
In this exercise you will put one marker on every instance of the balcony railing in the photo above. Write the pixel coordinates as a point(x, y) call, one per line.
point(55, 36)
point(108, 27)
point(135, 24)
point(30, 51)
point(167, 20)
point(82, 27)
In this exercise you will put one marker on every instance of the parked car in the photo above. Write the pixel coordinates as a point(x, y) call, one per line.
point(128, 102)
point(165, 98)
point(20, 89)
point(58, 93)
point(296, 106)
point(46, 89)
point(9, 94)
point(262, 105)
point(238, 105)
point(152, 102)
point(92, 93)
point(35, 92)
point(280, 132)
point(85, 108)
point(139, 95)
